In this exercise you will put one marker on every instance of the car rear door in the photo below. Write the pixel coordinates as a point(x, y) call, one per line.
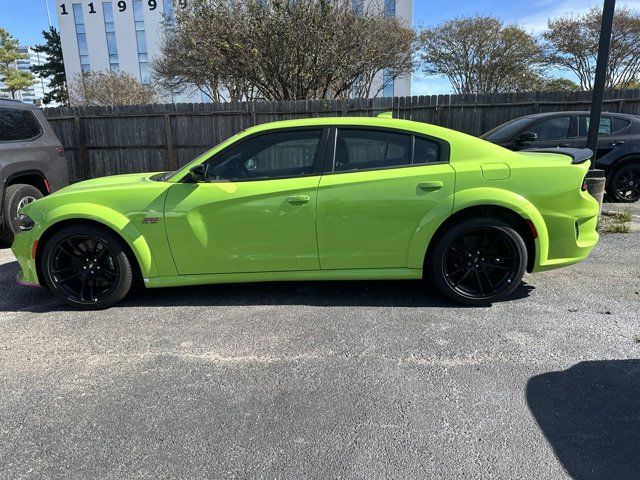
point(614, 139)
point(256, 212)
point(377, 187)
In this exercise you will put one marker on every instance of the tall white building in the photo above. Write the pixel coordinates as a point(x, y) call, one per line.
point(125, 35)
point(35, 93)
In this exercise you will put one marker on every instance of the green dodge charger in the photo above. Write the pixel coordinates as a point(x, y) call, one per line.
point(318, 199)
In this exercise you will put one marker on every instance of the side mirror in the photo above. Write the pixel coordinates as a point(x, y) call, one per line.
point(198, 173)
point(526, 137)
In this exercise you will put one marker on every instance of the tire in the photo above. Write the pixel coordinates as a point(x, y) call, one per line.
point(465, 263)
point(16, 197)
point(86, 267)
point(624, 185)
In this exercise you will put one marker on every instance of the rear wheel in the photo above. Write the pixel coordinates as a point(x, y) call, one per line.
point(86, 267)
point(479, 261)
point(17, 196)
point(625, 183)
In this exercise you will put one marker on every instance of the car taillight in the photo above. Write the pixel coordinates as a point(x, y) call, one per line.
point(60, 151)
point(584, 187)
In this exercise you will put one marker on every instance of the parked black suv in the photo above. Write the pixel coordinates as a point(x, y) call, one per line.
point(618, 144)
point(32, 162)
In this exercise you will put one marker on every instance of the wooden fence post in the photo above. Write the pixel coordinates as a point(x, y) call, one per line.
point(82, 149)
point(171, 157)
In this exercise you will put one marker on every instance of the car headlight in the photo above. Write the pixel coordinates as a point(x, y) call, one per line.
point(25, 222)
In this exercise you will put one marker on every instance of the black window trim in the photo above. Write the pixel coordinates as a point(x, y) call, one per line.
point(34, 116)
point(317, 161)
point(331, 149)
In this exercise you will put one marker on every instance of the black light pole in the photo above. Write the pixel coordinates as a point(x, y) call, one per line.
point(596, 177)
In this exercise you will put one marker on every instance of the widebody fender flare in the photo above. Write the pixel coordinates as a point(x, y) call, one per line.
point(476, 197)
point(112, 219)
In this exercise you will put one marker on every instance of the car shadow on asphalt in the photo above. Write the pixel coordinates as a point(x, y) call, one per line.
point(590, 414)
point(382, 293)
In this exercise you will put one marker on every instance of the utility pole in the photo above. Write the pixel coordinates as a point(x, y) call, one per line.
point(601, 72)
point(595, 177)
point(46, 4)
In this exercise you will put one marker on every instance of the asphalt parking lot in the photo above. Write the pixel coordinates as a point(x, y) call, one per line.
point(334, 380)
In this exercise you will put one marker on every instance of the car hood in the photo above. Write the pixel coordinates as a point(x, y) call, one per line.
point(113, 181)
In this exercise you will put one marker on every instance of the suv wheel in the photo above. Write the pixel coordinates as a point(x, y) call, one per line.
point(479, 261)
point(17, 196)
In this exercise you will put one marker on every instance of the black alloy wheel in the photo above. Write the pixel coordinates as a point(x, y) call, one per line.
point(86, 267)
point(626, 183)
point(479, 261)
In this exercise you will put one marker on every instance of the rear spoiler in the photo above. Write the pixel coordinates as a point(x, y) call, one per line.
point(578, 155)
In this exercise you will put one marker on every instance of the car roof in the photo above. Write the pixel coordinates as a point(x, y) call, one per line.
point(382, 122)
point(11, 102)
point(578, 112)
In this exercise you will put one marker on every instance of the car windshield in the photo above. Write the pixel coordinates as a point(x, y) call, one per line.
point(506, 130)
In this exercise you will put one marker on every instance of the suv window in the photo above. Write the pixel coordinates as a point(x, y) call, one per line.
point(18, 124)
point(364, 149)
point(272, 155)
point(552, 128)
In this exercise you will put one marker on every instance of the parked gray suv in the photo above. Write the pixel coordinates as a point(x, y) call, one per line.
point(32, 162)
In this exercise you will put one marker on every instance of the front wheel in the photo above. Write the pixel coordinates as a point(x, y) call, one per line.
point(86, 267)
point(479, 261)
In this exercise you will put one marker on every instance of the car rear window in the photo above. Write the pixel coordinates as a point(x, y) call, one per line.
point(18, 124)
point(365, 149)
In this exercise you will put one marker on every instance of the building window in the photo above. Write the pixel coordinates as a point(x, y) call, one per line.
point(168, 12)
point(390, 8)
point(387, 82)
point(141, 41)
point(81, 37)
point(110, 30)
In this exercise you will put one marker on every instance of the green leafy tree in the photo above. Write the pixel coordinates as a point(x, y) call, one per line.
point(53, 68)
point(571, 43)
point(481, 54)
point(559, 85)
point(13, 79)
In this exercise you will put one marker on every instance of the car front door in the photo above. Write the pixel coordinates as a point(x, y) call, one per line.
point(556, 131)
point(256, 210)
point(378, 186)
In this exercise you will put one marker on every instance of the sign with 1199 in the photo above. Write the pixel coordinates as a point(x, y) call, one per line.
point(122, 6)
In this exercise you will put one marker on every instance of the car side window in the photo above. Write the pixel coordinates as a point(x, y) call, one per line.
point(425, 151)
point(18, 124)
point(552, 128)
point(365, 149)
point(272, 155)
point(618, 124)
point(608, 125)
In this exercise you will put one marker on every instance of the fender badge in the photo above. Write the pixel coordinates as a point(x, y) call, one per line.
point(149, 220)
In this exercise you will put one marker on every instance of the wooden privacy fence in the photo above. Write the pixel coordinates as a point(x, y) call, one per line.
point(123, 139)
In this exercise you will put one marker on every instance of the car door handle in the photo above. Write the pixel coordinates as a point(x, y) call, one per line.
point(298, 199)
point(617, 142)
point(433, 185)
point(564, 145)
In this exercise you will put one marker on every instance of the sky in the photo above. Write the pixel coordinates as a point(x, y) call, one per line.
point(25, 19)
